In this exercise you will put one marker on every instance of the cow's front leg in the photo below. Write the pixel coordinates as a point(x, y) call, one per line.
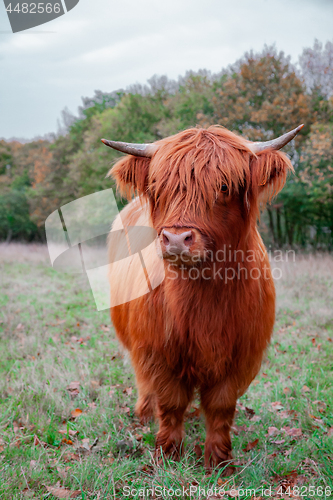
point(173, 398)
point(219, 406)
point(145, 405)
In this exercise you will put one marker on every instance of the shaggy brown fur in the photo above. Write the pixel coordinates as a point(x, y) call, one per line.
point(207, 333)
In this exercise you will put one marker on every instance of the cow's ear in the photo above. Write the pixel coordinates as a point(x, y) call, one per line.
point(269, 171)
point(131, 175)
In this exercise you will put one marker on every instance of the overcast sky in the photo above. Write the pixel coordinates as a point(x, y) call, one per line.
point(108, 44)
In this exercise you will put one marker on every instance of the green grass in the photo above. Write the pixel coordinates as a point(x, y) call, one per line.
point(51, 335)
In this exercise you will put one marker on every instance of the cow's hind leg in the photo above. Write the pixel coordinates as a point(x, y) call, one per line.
point(172, 400)
point(219, 404)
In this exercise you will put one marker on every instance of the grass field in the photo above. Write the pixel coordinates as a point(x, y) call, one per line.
point(67, 395)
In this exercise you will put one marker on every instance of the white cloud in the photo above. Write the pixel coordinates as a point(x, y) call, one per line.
point(109, 45)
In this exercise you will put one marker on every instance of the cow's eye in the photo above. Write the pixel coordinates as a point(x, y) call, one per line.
point(224, 188)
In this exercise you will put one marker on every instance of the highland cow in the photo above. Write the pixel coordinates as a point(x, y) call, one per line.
point(206, 327)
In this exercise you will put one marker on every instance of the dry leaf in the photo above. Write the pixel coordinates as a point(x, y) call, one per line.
point(92, 405)
point(67, 441)
point(250, 446)
point(286, 390)
point(128, 391)
point(62, 473)
point(249, 412)
point(292, 432)
point(273, 431)
point(73, 388)
point(238, 428)
point(76, 413)
point(70, 432)
point(63, 492)
point(280, 441)
point(277, 405)
point(256, 418)
point(287, 414)
point(305, 388)
point(38, 442)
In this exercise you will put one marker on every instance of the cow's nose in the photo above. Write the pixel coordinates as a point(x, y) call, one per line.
point(177, 243)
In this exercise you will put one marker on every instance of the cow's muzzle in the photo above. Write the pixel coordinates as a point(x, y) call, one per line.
point(177, 243)
point(181, 245)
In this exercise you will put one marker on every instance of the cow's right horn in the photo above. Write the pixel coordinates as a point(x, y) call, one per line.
point(145, 150)
point(278, 143)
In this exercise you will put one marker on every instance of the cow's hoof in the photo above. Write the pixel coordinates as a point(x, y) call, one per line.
point(170, 447)
point(218, 459)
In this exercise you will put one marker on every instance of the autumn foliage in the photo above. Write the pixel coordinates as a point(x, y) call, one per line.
point(260, 96)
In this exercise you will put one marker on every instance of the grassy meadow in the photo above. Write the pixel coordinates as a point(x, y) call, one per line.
point(67, 395)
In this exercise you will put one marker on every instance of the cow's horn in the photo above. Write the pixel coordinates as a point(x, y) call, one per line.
point(146, 150)
point(258, 147)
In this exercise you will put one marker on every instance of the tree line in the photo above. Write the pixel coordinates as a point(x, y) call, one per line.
point(261, 96)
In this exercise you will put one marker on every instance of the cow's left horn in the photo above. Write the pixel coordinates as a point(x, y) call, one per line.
point(146, 150)
point(258, 147)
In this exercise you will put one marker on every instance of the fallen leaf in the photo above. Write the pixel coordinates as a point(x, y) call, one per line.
point(73, 388)
point(71, 456)
point(316, 419)
point(330, 432)
point(92, 405)
point(305, 388)
point(70, 432)
point(249, 412)
point(62, 473)
point(38, 442)
point(128, 391)
point(250, 446)
point(238, 428)
point(256, 418)
point(33, 464)
point(287, 414)
point(292, 432)
point(125, 409)
point(67, 441)
point(277, 405)
point(76, 413)
point(280, 441)
point(273, 431)
point(63, 492)
point(286, 390)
